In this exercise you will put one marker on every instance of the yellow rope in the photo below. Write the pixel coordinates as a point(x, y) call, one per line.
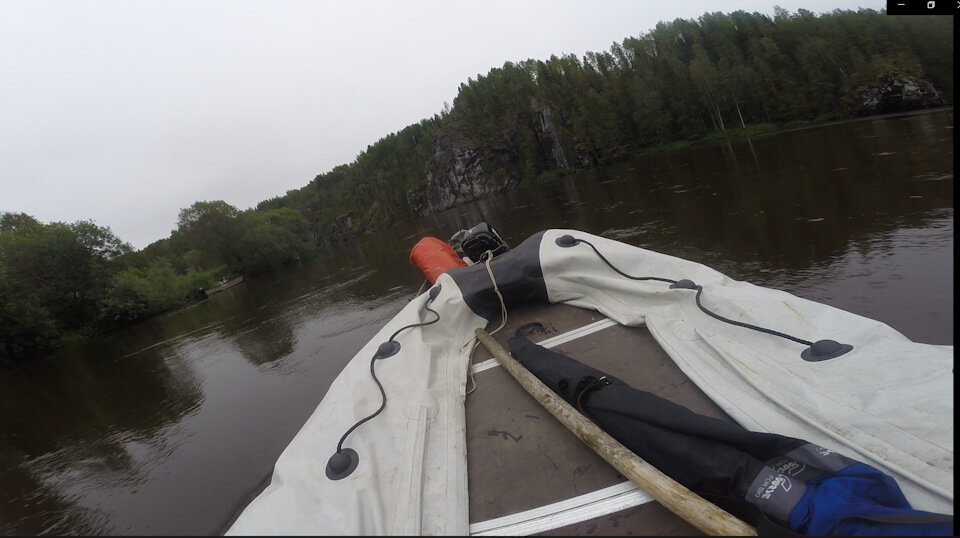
point(503, 321)
point(419, 291)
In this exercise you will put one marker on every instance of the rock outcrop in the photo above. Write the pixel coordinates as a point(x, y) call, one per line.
point(343, 229)
point(896, 93)
point(549, 136)
point(461, 173)
point(552, 130)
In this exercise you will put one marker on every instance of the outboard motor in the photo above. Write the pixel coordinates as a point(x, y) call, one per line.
point(478, 240)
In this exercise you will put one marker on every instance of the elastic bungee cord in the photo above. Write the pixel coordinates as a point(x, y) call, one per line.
point(818, 351)
point(567, 243)
point(503, 320)
point(343, 462)
point(714, 315)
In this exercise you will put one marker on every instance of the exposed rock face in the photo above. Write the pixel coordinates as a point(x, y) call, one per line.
point(343, 229)
point(417, 201)
point(465, 174)
point(562, 148)
point(549, 135)
point(460, 173)
point(896, 93)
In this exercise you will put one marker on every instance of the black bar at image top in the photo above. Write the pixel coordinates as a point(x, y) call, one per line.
point(922, 7)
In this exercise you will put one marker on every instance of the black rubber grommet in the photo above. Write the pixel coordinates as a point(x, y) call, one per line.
point(342, 464)
point(683, 284)
point(822, 350)
point(387, 349)
point(566, 241)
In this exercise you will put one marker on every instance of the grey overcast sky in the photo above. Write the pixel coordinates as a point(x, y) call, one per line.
point(123, 112)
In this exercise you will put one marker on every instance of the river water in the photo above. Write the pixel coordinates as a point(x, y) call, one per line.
point(172, 426)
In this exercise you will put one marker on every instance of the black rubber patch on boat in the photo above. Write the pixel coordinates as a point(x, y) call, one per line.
point(530, 328)
point(517, 272)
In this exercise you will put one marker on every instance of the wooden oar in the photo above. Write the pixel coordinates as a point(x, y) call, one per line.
point(693, 508)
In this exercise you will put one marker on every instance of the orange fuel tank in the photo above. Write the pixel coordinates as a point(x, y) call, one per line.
point(434, 257)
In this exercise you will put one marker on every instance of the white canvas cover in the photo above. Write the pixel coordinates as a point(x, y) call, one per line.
point(412, 473)
point(888, 402)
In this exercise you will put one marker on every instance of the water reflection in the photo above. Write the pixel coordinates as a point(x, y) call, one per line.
point(84, 424)
point(266, 341)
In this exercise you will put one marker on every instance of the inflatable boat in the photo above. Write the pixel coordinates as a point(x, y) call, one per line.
point(424, 433)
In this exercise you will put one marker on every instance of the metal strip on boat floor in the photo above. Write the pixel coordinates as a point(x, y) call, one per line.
point(527, 473)
point(555, 341)
point(563, 513)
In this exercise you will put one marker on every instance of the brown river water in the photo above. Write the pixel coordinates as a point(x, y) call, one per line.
point(172, 426)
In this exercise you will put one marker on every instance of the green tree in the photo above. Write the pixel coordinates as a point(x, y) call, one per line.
point(53, 278)
point(18, 222)
point(210, 230)
point(273, 238)
point(26, 326)
point(141, 292)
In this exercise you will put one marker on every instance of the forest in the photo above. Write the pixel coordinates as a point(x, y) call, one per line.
point(684, 80)
point(720, 75)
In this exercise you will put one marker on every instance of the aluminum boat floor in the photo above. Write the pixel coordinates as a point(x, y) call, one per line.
point(522, 462)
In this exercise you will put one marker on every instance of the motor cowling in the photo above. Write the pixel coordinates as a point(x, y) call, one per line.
point(480, 239)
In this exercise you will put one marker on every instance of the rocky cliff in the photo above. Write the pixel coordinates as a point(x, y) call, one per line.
point(460, 173)
point(896, 93)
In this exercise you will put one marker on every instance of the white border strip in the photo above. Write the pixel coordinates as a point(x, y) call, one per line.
point(574, 510)
point(556, 340)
